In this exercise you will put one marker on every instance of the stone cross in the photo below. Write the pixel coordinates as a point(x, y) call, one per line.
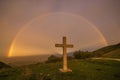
point(64, 46)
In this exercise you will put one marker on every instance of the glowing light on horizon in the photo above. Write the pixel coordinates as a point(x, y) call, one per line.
point(11, 50)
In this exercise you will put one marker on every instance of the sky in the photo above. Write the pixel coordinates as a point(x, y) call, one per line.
point(32, 27)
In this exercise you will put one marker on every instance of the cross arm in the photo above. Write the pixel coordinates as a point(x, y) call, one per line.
point(58, 45)
point(70, 46)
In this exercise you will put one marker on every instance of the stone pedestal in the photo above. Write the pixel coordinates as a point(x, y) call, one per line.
point(62, 70)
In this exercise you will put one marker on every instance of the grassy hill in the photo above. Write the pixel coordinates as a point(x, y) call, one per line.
point(106, 49)
point(112, 50)
point(3, 65)
point(113, 54)
point(82, 70)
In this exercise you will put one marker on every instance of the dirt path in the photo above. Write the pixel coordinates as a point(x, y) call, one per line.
point(107, 59)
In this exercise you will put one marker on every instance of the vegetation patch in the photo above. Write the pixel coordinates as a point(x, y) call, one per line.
point(81, 70)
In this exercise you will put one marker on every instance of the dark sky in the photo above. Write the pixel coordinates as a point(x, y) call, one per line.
point(33, 27)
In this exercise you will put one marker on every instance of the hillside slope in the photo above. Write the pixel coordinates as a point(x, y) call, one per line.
point(3, 65)
point(113, 54)
point(107, 49)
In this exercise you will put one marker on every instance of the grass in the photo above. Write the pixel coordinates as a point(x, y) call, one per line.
point(82, 70)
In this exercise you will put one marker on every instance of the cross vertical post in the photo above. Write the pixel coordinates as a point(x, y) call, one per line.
point(64, 46)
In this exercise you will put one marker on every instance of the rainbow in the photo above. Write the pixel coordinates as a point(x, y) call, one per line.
point(11, 49)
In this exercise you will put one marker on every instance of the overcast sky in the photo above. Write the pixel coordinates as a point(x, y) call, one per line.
point(47, 21)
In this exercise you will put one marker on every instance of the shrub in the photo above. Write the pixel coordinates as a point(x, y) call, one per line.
point(82, 55)
point(70, 58)
point(53, 58)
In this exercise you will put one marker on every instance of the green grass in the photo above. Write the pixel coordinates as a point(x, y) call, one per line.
point(82, 70)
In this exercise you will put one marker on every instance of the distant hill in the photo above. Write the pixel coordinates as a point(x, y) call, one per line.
point(3, 65)
point(107, 49)
point(113, 54)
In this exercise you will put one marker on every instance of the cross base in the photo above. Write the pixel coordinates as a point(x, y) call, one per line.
point(62, 70)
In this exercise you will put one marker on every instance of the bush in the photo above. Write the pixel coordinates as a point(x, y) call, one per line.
point(70, 58)
point(82, 55)
point(53, 58)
